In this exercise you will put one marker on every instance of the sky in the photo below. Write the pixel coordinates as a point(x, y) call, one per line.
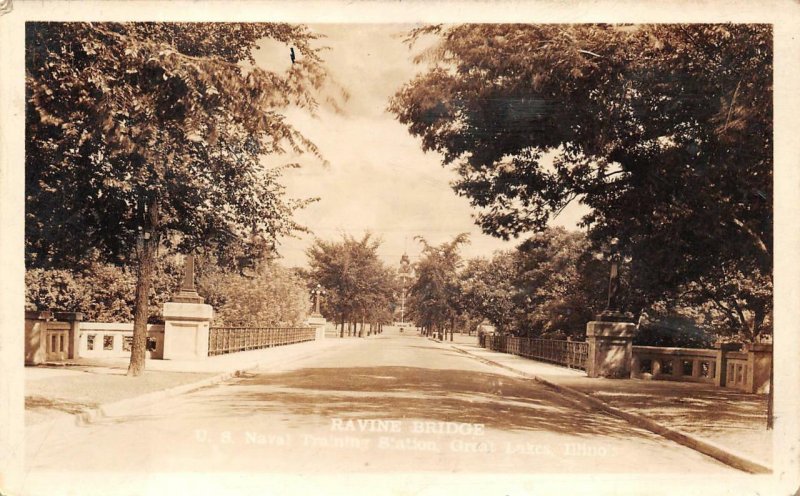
point(377, 178)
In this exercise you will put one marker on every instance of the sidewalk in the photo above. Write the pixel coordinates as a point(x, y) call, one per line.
point(458, 339)
point(58, 393)
point(734, 421)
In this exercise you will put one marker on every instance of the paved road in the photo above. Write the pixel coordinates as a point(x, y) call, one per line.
point(394, 402)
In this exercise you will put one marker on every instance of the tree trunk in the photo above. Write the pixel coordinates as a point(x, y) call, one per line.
point(341, 333)
point(146, 265)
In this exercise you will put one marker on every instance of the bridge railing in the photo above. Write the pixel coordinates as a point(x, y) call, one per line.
point(677, 364)
point(747, 370)
point(223, 340)
point(571, 354)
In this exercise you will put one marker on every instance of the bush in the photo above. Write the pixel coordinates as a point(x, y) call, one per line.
point(55, 289)
point(111, 293)
point(102, 292)
point(272, 296)
point(674, 331)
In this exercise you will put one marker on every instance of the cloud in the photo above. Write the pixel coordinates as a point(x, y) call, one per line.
point(378, 179)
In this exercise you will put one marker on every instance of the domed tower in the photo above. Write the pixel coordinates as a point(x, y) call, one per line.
point(405, 264)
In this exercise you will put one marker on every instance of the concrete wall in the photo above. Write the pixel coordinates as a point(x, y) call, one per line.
point(685, 364)
point(747, 370)
point(34, 340)
point(114, 334)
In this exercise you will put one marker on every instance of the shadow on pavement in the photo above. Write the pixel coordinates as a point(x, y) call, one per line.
point(393, 392)
point(40, 402)
point(709, 410)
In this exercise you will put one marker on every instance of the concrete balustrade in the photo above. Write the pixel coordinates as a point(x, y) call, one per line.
point(95, 337)
point(51, 336)
point(610, 353)
point(747, 370)
point(48, 339)
point(685, 364)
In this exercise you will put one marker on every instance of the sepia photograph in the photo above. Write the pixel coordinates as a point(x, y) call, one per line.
point(400, 255)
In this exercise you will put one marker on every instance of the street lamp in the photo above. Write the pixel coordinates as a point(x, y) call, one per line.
point(318, 292)
point(612, 312)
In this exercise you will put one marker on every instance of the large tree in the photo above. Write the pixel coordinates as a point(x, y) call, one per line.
point(487, 289)
point(142, 136)
point(663, 131)
point(551, 284)
point(435, 294)
point(562, 284)
point(359, 285)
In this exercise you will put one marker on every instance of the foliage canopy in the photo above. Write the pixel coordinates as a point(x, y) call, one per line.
point(663, 131)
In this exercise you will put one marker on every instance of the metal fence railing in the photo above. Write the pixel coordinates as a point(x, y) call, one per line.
point(233, 339)
point(568, 353)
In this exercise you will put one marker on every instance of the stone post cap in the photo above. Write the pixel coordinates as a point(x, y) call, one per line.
point(597, 328)
point(187, 297)
point(38, 314)
point(767, 347)
point(316, 320)
point(71, 316)
point(173, 310)
point(729, 346)
point(614, 316)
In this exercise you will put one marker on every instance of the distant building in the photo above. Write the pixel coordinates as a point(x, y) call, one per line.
point(405, 272)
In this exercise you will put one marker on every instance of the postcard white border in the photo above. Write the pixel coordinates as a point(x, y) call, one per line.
point(782, 14)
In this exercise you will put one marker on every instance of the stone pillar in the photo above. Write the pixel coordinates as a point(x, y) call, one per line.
point(74, 319)
point(35, 325)
point(317, 322)
point(696, 368)
point(759, 361)
point(721, 372)
point(610, 349)
point(636, 365)
point(186, 321)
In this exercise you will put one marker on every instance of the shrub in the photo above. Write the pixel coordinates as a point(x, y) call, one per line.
point(271, 296)
point(55, 289)
point(102, 292)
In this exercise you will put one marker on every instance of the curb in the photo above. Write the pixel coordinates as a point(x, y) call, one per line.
point(90, 415)
point(725, 455)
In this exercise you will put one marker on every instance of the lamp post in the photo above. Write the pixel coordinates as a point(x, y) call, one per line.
point(318, 292)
